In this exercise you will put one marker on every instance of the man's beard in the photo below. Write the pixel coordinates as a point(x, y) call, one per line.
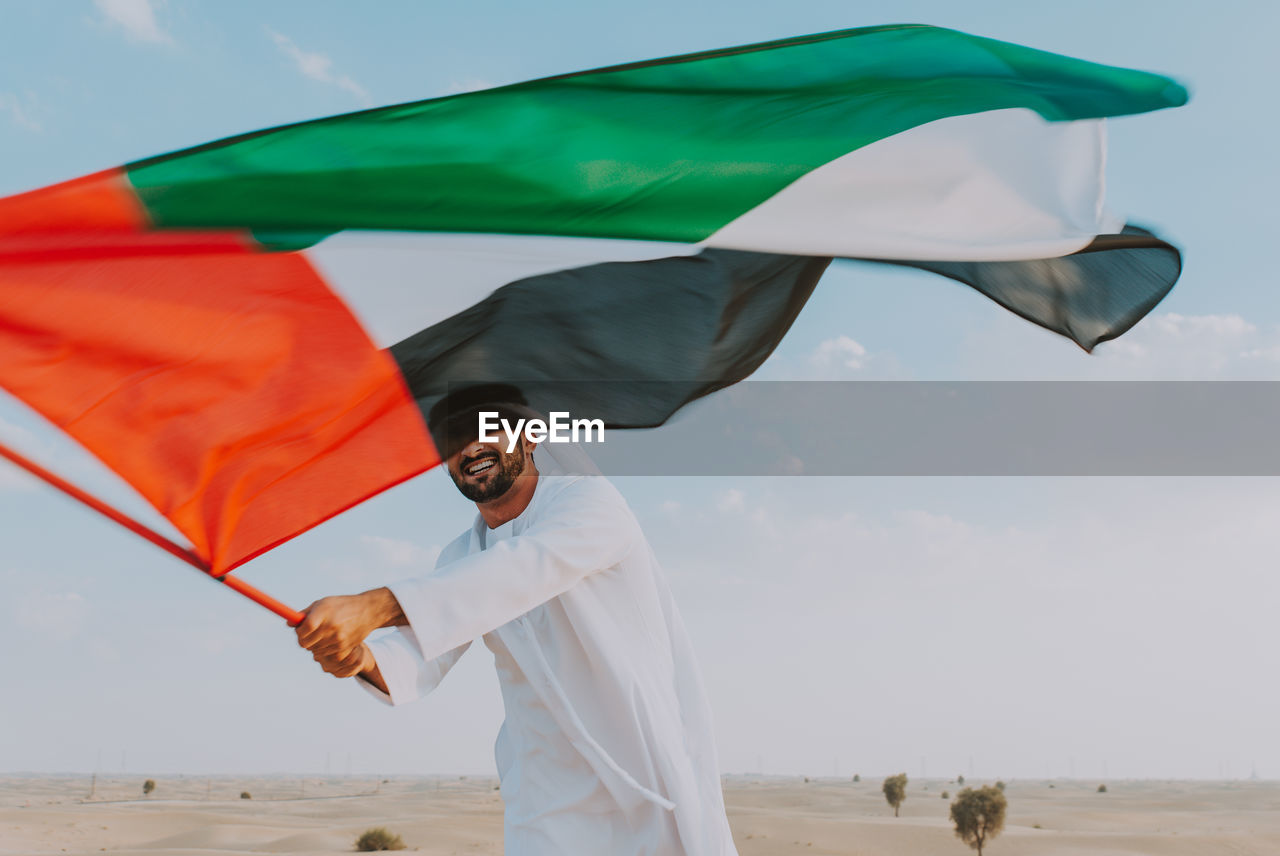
point(504, 474)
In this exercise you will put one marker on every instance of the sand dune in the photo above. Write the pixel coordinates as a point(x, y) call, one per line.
point(203, 816)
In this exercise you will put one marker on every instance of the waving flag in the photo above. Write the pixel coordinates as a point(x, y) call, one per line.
point(250, 331)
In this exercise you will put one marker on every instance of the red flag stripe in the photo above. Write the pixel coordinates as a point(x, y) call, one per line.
point(100, 202)
point(229, 386)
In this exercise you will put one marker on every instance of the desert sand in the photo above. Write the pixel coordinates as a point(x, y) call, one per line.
point(202, 816)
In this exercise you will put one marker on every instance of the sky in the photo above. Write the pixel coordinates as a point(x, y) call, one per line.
point(996, 627)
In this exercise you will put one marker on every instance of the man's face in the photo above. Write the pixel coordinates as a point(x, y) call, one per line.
point(485, 471)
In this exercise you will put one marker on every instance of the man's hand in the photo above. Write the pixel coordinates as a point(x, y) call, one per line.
point(335, 627)
point(360, 660)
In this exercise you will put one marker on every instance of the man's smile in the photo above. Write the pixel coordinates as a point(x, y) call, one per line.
point(484, 472)
point(480, 464)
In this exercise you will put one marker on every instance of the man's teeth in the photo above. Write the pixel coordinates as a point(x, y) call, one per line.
point(479, 467)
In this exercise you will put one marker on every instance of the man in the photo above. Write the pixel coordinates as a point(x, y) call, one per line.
point(607, 747)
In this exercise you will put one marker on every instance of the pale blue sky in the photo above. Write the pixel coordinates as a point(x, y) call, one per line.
point(1131, 620)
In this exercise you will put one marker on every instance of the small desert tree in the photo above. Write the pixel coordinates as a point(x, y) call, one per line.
point(959, 780)
point(857, 778)
point(979, 815)
point(148, 786)
point(895, 791)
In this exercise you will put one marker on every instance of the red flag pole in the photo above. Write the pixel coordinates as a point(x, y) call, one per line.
point(185, 554)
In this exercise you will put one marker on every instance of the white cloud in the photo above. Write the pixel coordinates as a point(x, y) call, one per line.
point(20, 115)
point(788, 465)
point(317, 66)
point(1270, 353)
point(732, 500)
point(136, 17)
point(1164, 346)
point(669, 506)
point(401, 553)
point(1175, 325)
point(837, 358)
point(1176, 346)
point(837, 353)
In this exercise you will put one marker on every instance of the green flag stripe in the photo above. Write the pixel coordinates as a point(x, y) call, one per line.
point(665, 150)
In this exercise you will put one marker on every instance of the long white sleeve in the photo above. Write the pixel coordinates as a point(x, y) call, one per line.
point(586, 527)
point(406, 673)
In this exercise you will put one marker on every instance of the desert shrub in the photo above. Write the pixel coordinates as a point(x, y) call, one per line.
point(895, 791)
point(959, 780)
point(1102, 789)
point(946, 795)
point(148, 786)
point(245, 795)
point(857, 778)
point(378, 838)
point(1000, 786)
point(979, 815)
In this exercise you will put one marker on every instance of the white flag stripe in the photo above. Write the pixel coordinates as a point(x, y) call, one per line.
point(995, 186)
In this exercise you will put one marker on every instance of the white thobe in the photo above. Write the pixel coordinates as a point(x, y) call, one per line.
point(607, 747)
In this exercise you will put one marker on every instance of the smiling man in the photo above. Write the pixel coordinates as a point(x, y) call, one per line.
point(607, 745)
